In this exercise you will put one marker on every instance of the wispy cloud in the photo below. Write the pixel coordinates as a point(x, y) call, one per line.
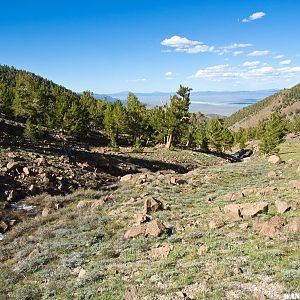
point(255, 16)
point(229, 48)
point(251, 63)
point(236, 53)
point(285, 62)
point(278, 56)
point(249, 70)
point(236, 45)
point(259, 53)
point(137, 80)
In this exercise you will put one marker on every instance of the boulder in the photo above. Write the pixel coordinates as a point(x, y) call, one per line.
point(173, 180)
point(26, 171)
point(282, 206)
point(294, 225)
point(214, 224)
point(203, 250)
point(3, 226)
point(155, 228)
point(142, 179)
point(266, 190)
point(278, 221)
point(126, 178)
point(46, 211)
point(152, 205)
point(135, 231)
point(233, 211)
point(160, 252)
point(272, 174)
point(268, 229)
point(247, 192)
point(82, 273)
point(11, 164)
point(141, 218)
point(228, 196)
point(40, 161)
point(274, 159)
point(250, 210)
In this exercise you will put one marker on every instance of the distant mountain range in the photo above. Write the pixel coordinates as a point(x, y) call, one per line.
point(208, 102)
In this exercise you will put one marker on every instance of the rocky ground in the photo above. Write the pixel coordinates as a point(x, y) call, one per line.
point(190, 227)
point(60, 165)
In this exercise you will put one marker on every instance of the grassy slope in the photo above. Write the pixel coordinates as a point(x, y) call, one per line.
point(287, 101)
point(74, 237)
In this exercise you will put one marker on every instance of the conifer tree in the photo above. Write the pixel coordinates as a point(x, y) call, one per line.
point(275, 131)
point(6, 98)
point(136, 112)
point(215, 134)
point(177, 114)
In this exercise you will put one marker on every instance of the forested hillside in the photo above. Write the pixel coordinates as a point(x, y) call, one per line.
point(43, 105)
point(286, 102)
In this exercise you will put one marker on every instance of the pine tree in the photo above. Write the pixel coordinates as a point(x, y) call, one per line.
point(215, 134)
point(275, 131)
point(177, 114)
point(136, 112)
point(76, 120)
point(227, 139)
point(6, 98)
point(295, 124)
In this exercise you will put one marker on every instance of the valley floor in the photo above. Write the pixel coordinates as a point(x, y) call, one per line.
point(85, 245)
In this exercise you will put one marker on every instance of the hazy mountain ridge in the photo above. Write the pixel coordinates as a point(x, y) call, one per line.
point(223, 102)
point(286, 101)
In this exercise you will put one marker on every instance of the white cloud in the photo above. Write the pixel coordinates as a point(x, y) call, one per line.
point(182, 44)
point(236, 53)
point(278, 56)
point(137, 80)
point(289, 69)
point(248, 70)
point(259, 53)
point(251, 63)
point(254, 16)
point(235, 46)
point(285, 62)
point(169, 75)
point(196, 49)
point(179, 42)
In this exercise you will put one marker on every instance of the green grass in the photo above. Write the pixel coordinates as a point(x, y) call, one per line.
point(73, 237)
point(290, 150)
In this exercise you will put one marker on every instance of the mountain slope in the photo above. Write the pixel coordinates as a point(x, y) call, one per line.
point(82, 250)
point(287, 101)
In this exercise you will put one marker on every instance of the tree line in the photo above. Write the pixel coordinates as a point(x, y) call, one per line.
point(42, 105)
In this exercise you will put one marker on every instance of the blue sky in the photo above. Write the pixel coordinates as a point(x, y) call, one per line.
point(154, 45)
